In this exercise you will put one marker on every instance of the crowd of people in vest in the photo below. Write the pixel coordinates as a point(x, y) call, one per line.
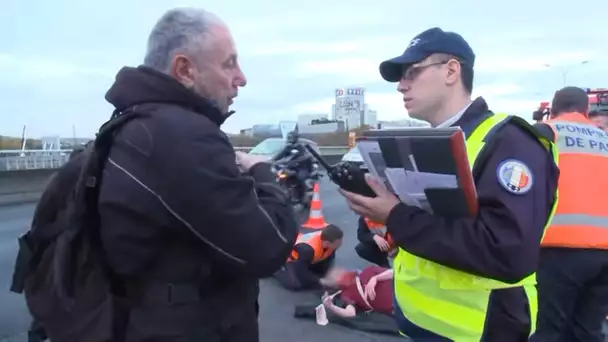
point(176, 231)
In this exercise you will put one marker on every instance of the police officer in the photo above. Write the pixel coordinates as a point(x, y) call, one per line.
point(466, 279)
point(573, 269)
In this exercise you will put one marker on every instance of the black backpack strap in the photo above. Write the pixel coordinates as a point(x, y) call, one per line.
point(83, 208)
point(93, 169)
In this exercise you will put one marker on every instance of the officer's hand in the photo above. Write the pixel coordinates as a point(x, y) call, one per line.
point(246, 161)
point(376, 209)
point(382, 244)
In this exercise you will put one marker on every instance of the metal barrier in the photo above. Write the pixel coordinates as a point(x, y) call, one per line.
point(325, 150)
point(21, 160)
point(32, 160)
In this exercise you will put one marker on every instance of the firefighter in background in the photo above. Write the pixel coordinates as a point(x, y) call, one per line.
point(600, 119)
point(573, 267)
point(542, 113)
point(375, 244)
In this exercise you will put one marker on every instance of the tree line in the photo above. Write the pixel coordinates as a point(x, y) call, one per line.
point(322, 139)
point(11, 143)
point(238, 140)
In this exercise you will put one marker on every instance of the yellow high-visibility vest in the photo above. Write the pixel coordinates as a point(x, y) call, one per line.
point(446, 301)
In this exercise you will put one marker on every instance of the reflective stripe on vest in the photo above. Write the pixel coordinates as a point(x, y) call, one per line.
point(446, 301)
point(581, 219)
point(314, 241)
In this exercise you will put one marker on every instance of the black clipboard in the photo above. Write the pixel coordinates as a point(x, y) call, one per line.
point(432, 150)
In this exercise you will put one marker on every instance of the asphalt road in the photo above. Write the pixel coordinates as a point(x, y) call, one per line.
point(276, 304)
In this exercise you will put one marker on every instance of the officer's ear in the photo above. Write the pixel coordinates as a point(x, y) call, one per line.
point(453, 72)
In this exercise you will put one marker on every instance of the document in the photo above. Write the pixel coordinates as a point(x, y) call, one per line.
point(372, 156)
point(423, 170)
point(410, 186)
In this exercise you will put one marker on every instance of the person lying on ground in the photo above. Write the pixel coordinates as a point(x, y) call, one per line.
point(369, 290)
point(363, 302)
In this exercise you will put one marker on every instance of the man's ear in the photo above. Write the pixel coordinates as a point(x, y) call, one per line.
point(183, 70)
point(454, 72)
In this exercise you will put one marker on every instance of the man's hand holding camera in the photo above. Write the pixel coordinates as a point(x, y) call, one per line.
point(246, 161)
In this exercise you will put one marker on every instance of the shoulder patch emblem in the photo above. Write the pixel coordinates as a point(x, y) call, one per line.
point(515, 176)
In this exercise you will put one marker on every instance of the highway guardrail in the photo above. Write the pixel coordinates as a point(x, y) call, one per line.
point(24, 173)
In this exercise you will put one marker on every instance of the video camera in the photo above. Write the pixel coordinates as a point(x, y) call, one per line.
point(346, 175)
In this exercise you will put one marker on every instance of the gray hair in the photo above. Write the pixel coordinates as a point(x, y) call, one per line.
point(178, 31)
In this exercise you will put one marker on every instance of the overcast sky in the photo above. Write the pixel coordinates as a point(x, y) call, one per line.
point(58, 58)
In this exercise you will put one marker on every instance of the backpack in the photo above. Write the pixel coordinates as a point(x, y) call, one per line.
point(61, 268)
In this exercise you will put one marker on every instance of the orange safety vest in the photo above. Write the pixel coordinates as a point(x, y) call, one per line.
point(314, 241)
point(379, 229)
point(581, 215)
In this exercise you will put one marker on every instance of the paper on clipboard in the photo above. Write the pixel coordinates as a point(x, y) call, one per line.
point(409, 186)
point(372, 156)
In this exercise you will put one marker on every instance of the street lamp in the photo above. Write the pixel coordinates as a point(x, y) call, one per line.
point(564, 70)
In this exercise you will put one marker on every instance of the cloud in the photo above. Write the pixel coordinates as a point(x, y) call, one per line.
point(507, 63)
point(365, 69)
point(35, 69)
point(495, 90)
point(389, 105)
point(282, 48)
point(359, 70)
point(53, 76)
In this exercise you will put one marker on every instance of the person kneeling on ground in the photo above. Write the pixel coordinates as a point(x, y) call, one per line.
point(312, 257)
point(375, 244)
point(364, 301)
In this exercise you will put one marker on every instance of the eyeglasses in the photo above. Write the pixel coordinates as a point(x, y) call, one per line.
point(412, 72)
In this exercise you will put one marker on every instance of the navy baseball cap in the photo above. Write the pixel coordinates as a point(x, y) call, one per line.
point(431, 41)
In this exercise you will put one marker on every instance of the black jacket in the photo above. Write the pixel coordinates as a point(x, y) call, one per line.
point(363, 233)
point(176, 212)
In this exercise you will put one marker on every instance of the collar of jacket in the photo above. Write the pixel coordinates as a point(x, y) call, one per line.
point(135, 86)
point(473, 116)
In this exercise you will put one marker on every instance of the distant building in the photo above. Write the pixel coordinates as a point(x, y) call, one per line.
point(350, 108)
point(371, 117)
point(306, 119)
point(322, 127)
point(318, 123)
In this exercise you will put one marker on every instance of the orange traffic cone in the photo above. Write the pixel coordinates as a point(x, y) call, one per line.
point(315, 217)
